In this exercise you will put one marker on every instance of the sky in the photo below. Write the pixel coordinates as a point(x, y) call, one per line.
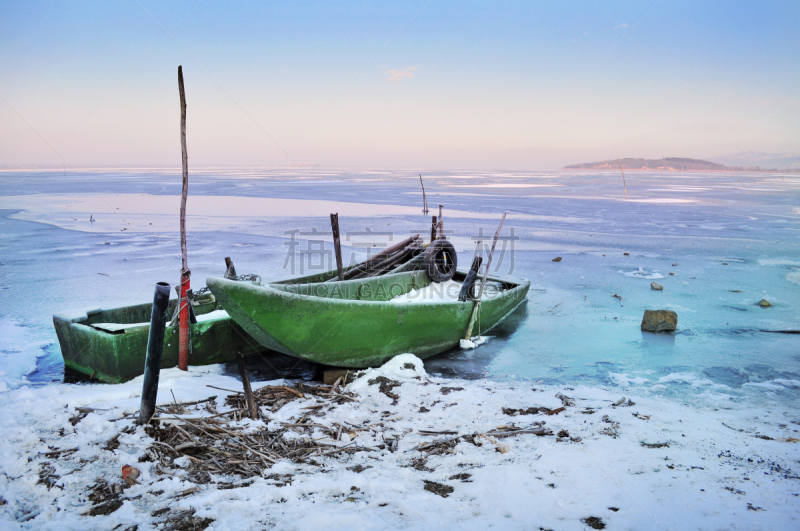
point(421, 84)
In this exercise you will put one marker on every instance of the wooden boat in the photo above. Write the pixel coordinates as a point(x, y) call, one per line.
point(356, 324)
point(110, 345)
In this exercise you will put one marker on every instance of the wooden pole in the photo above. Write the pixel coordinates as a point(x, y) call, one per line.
point(185, 164)
point(441, 224)
point(155, 348)
point(424, 199)
point(337, 245)
point(183, 303)
point(248, 391)
point(476, 309)
point(434, 229)
point(623, 179)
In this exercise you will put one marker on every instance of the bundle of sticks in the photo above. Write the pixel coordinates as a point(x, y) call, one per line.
point(387, 259)
point(215, 443)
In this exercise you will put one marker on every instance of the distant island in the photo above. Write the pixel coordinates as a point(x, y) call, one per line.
point(674, 164)
point(665, 164)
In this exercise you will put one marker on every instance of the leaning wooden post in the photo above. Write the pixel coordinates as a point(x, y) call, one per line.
point(337, 246)
point(424, 199)
point(183, 303)
point(477, 308)
point(623, 179)
point(155, 348)
point(248, 391)
point(441, 224)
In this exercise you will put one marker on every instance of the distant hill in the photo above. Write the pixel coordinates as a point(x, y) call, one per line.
point(665, 164)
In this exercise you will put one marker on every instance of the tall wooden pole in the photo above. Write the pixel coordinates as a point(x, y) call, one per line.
point(183, 303)
point(477, 308)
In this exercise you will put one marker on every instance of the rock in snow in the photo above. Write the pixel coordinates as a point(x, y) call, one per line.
point(659, 321)
point(656, 286)
point(764, 303)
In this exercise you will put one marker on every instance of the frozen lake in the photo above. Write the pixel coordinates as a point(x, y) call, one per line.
point(719, 243)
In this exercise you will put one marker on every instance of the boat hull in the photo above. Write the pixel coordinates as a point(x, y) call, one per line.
point(118, 356)
point(357, 326)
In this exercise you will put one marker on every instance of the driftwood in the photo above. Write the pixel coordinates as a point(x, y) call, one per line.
point(392, 262)
point(380, 260)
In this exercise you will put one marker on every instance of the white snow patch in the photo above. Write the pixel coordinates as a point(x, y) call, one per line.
point(216, 314)
point(686, 377)
point(475, 342)
point(778, 262)
point(625, 380)
point(641, 273)
point(18, 354)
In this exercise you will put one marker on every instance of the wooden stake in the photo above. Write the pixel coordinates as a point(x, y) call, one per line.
point(434, 228)
point(441, 224)
point(248, 391)
point(230, 269)
point(183, 303)
point(477, 307)
point(623, 179)
point(337, 246)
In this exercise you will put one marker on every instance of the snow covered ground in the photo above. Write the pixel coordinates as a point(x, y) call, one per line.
point(644, 463)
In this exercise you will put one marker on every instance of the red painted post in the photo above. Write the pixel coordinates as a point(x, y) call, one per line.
point(183, 330)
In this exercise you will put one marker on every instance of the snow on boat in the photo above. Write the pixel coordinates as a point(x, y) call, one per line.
point(365, 322)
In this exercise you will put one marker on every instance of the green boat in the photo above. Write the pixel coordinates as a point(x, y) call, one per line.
point(110, 345)
point(356, 324)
